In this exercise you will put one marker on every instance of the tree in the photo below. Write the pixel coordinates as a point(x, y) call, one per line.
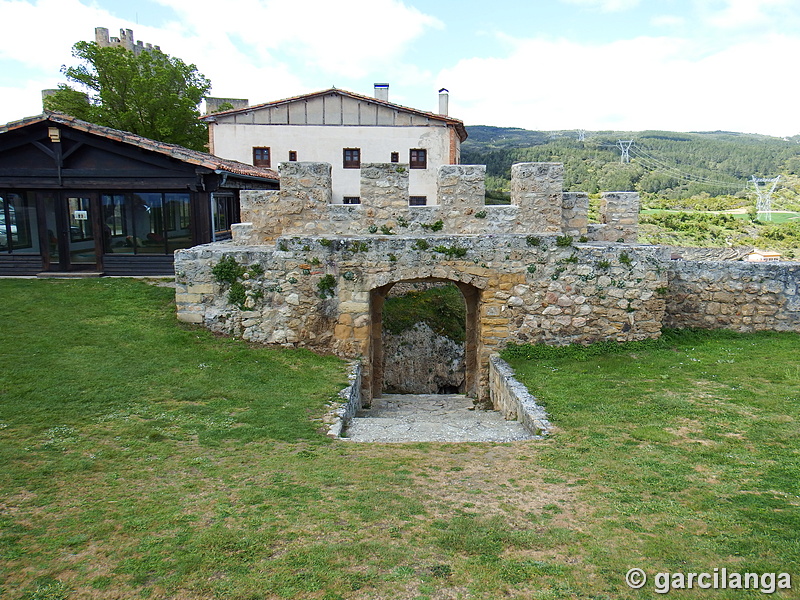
point(147, 93)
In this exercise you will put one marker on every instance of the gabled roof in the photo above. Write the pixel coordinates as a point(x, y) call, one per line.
point(456, 123)
point(193, 157)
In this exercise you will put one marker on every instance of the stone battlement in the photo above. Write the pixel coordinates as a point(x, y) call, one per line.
point(307, 273)
point(538, 205)
point(125, 40)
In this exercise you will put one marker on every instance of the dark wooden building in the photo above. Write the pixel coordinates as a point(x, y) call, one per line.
point(80, 197)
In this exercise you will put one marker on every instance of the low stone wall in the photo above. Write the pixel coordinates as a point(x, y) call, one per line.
point(740, 296)
point(512, 398)
point(338, 418)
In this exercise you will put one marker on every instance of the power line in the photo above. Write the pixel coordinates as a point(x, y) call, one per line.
point(657, 164)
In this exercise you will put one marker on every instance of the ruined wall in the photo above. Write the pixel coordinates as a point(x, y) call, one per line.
point(419, 361)
point(315, 291)
point(741, 296)
point(538, 205)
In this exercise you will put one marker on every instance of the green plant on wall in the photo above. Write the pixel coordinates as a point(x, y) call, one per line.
point(564, 241)
point(326, 286)
point(436, 226)
point(228, 271)
point(451, 251)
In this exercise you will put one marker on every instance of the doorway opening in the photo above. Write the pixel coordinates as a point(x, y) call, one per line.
point(424, 337)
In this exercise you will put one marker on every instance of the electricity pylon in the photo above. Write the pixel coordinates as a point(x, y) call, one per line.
point(624, 145)
point(764, 203)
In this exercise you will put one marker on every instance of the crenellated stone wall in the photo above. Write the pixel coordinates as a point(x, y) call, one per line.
point(538, 205)
point(312, 274)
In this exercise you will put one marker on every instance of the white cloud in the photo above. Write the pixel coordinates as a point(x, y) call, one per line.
point(45, 43)
point(643, 83)
point(258, 49)
point(738, 14)
point(345, 38)
point(606, 5)
point(668, 21)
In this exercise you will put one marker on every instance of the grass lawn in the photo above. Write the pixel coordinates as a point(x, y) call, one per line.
point(776, 217)
point(144, 458)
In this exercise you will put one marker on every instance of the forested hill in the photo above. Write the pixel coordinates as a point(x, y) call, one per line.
point(663, 164)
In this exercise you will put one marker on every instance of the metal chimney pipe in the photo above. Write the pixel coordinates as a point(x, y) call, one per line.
point(382, 91)
point(444, 101)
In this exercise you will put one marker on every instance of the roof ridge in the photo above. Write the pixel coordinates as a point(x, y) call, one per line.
point(446, 118)
point(196, 157)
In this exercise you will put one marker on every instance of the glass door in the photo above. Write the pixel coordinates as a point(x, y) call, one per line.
point(82, 248)
point(71, 231)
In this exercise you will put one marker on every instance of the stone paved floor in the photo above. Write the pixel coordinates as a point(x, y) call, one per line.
point(432, 418)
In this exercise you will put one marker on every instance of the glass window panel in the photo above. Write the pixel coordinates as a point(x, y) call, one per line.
point(149, 221)
point(5, 235)
point(118, 222)
point(178, 216)
point(23, 225)
point(80, 225)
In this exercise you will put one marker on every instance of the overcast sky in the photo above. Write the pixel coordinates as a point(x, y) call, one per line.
point(681, 65)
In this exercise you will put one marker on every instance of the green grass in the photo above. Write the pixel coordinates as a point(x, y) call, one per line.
point(441, 308)
point(144, 458)
point(689, 448)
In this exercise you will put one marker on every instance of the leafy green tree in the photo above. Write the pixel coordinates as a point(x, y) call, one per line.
point(150, 93)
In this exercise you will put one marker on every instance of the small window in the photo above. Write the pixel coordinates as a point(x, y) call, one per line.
point(292, 155)
point(261, 157)
point(352, 158)
point(418, 159)
point(351, 200)
point(418, 201)
point(395, 157)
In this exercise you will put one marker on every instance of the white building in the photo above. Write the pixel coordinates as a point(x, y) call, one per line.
point(345, 130)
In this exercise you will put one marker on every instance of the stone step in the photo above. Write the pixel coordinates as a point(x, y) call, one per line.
point(431, 418)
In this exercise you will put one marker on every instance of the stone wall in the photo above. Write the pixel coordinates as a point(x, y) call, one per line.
point(317, 291)
point(741, 296)
point(316, 275)
point(538, 205)
point(419, 361)
point(512, 398)
point(342, 413)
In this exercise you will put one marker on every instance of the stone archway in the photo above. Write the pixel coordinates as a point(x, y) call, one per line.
point(471, 294)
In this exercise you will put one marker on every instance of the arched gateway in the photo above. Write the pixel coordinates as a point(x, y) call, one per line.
point(305, 272)
point(374, 376)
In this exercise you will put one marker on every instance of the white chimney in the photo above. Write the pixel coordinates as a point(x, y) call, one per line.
point(382, 91)
point(444, 101)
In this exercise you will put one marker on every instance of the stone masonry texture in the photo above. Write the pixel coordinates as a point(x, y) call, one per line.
point(313, 274)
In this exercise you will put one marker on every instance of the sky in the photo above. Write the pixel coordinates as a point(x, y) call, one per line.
point(624, 65)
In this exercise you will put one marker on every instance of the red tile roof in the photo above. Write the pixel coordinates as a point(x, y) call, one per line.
point(200, 159)
point(457, 123)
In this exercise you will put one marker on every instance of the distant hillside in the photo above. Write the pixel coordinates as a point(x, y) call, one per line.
point(663, 165)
